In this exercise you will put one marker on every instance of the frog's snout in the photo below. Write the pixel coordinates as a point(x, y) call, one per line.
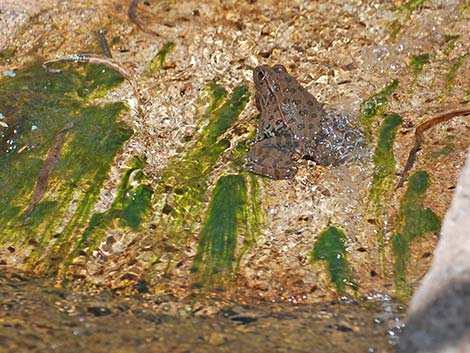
point(259, 74)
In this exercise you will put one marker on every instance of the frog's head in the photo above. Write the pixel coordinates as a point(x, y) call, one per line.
point(267, 78)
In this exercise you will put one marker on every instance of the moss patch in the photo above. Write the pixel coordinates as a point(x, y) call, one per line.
point(331, 249)
point(413, 222)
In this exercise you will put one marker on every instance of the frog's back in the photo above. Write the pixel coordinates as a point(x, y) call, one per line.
point(327, 137)
point(301, 111)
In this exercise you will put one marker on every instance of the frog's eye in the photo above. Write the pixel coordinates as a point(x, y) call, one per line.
point(279, 68)
point(261, 75)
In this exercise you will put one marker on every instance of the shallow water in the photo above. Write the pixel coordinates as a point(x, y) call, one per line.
point(35, 316)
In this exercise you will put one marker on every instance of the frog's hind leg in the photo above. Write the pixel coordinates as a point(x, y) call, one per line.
point(272, 157)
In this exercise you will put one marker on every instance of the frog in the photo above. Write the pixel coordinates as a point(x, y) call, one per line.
point(293, 124)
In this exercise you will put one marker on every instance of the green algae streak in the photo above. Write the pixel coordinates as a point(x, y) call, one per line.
point(234, 210)
point(36, 106)
point(383, 182)
point(374, 107)
point(444, 151)
point(254, 217)
point(413, 222)
point(158, 61)
point(403, 14)
point(384, 160)
point(417, 63)
point(213, 263)
point(331, 249)
point(454, 68)
point(129, 208)
point(182, 190)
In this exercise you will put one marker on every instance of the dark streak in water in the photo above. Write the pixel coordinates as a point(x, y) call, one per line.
point(104, 43)
point(132, 14)
point(419, 137)
point(53, 157)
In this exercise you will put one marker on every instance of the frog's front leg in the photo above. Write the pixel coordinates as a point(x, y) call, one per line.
point(272, 157)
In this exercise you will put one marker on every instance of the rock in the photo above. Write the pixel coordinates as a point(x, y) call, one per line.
point(439, 312)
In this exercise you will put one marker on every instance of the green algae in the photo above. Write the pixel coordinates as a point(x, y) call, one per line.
point(451, 40)
point(183, 193)
point(183, 186)
point(7, 55)
point(444, 151)
point(417, 62)
point(158, 61)
point(254, 217)
point(413, 222)
point(374, 107)
point(129, 208)
point(384, 161)
point(465, 10)
point(38, 104)
point(215, 257)
point(212, 97)
point(383, 180)
point(330, 248)
point(403, 14)
point(454, 68)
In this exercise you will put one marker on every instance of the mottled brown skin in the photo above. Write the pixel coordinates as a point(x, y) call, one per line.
point(292, 123)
